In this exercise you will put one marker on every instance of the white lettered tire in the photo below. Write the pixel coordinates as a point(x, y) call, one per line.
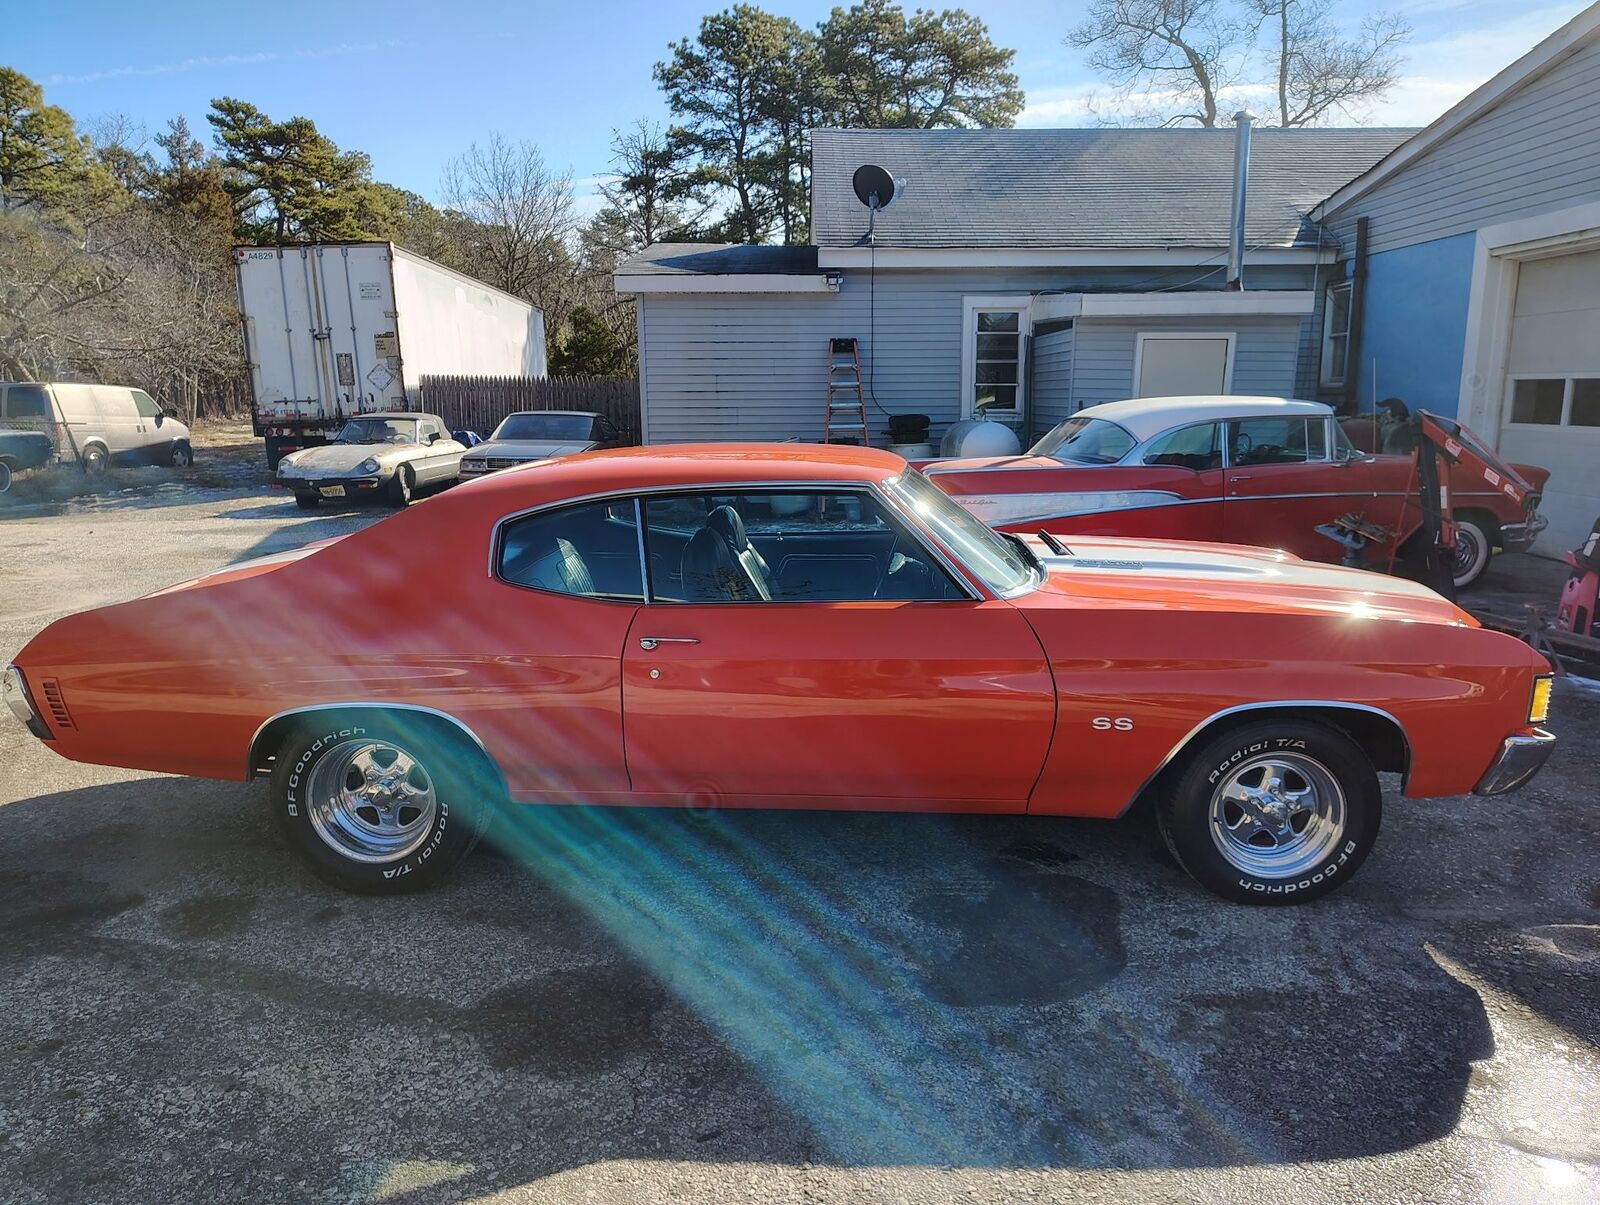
point(1273, 812)
point(380, 803)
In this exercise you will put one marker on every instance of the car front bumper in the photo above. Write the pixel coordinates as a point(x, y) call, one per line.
point(1521, 756)
point(336, 487)
point(1519, 537)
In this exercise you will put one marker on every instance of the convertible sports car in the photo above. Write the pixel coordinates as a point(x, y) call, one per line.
point(797, 627)
point(1248, 470)
point(393, 455)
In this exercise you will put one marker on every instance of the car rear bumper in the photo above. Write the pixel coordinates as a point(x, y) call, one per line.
point(1519, 537)
point(1521, 757)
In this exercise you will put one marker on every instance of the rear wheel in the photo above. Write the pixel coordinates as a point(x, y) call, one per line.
point(1275, 812)
point(376, 804)
point(96, 460)
point(307, 501)
point(5, 476)
point(1474, 550)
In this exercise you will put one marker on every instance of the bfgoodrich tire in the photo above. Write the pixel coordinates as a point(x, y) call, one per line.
point(380, 804)
point(1275, 812)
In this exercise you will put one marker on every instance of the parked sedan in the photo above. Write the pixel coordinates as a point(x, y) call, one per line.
point(392, 455)
point(791, 627)
point(1262, 471)
point(538, 435)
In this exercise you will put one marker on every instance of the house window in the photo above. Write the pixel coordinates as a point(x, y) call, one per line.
point(998, 378)
point(1336, 334)
point(1182, 363)
point(1555, 401)
point(995, 359)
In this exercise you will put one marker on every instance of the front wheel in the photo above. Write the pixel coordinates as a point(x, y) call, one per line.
point(182, 455)
point(1276, 812)
point(1474, 548)
point(375, 805)
point(5, 476)
point(401, 487)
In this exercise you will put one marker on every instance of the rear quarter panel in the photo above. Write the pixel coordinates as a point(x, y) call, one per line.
point(403, 612)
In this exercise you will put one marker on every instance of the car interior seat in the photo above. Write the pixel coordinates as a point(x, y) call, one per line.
point(720, 565)
point(561, 569)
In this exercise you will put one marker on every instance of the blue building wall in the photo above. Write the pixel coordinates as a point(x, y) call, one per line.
point(1415, 325)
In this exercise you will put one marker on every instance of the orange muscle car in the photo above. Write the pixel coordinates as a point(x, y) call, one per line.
point(795, 627)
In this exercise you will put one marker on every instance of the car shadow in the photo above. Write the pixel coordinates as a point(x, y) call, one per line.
point(836, 989)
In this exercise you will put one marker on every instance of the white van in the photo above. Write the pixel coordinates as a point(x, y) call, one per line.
point(98, 425)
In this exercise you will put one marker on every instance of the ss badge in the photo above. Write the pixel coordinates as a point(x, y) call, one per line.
point(1108, 723)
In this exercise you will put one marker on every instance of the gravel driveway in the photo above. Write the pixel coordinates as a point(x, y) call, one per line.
point(641, 1006)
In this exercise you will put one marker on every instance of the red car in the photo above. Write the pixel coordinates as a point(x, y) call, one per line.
point(1243, 470)
point(789, 627)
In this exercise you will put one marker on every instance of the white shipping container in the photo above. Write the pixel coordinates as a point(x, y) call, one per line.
point(334, 329)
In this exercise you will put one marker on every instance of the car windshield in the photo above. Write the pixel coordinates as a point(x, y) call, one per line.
point(546, 426)
point(1086, 441)
point(1002, 564)
point(378, 431)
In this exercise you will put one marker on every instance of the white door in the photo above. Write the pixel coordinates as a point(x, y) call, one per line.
point(1182, 364)
point(1552, 414)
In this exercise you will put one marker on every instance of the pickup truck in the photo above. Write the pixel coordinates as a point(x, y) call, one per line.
point(20, 450)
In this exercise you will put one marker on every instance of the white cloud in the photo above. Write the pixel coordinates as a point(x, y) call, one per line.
point(200, 62)
point(1439, 70)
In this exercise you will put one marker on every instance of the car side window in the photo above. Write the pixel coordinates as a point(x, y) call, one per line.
point(590, 550)
point(1197, 447)
point(145, 404)
point(786, 546)
point(429, 429)
point(27, 401)
point(1262, 441)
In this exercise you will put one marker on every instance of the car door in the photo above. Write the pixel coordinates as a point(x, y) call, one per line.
point(439, 460)
point(868, 678)
point(1282, 481)
point(119, 423)
point(155, 436)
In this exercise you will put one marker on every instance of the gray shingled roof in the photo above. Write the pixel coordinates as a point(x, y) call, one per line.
point(703, 259)
point(1084, 188)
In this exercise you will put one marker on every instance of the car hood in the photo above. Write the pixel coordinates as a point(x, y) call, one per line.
point(529, 449)
point(1183, 575)
point(343, 458)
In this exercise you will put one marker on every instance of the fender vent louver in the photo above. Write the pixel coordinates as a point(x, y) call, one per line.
point(55, 703)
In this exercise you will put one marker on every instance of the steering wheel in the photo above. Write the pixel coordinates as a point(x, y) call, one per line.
point(1242, 445)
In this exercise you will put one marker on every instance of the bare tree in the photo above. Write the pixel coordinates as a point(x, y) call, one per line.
point(1169, 61)
point(1184, 51)
point(521, 220)
point(650, 189)
point(1320, 72)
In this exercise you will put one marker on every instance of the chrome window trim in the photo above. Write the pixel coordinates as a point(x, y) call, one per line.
point(251, 769)
point(1135, 456)
point(963, 578)
point(1272, 705)
point(1227, 444)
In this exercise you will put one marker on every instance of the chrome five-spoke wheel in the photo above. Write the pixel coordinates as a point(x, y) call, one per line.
point(371, 801)
point(1278, 815)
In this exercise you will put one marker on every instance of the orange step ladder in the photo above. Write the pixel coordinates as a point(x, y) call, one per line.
point(847, 404)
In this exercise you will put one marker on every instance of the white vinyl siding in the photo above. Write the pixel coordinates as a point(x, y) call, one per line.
point(1537, 150)
point(723, 366)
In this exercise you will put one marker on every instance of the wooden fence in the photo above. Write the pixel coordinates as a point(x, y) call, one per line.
point(479, 403)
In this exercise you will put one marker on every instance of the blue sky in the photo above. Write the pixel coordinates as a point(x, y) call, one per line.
point(413, 83)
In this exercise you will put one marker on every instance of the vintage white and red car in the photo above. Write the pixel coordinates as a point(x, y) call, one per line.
point(1241, 470)
point(796, 627)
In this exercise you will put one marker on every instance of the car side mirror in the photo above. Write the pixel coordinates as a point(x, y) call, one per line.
point(433, 437)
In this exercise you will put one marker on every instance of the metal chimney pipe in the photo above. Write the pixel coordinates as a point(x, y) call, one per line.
point(1243, 120)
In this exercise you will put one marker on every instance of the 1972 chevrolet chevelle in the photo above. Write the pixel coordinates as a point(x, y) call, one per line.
point(794, 627)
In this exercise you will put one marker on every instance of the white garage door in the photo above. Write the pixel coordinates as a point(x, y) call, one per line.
point(1552, 415)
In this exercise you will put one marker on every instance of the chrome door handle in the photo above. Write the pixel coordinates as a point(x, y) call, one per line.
point(648, 643)
point(1240, 477)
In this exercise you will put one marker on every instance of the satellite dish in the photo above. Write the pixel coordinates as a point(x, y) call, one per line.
point(875, 187)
